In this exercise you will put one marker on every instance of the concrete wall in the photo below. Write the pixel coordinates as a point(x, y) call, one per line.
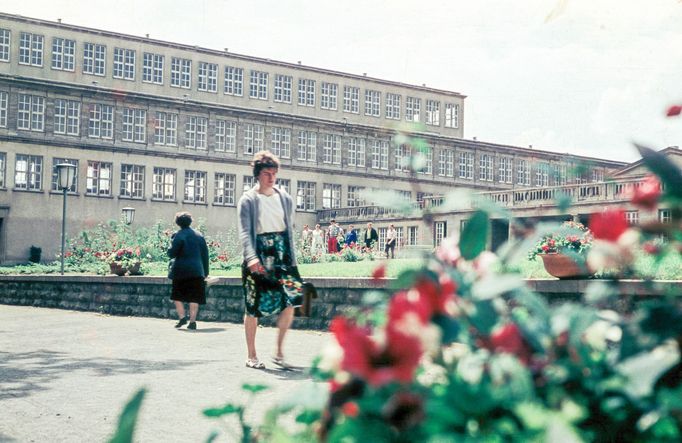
point(149, 296)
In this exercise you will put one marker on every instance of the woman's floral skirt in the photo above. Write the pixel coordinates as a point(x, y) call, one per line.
point(281, 286)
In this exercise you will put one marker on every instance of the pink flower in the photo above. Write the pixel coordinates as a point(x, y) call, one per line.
point(646, 195)
point(674, 111)
point(350, 408)
point(509, 339)
point(379, 272)
point(608, 225)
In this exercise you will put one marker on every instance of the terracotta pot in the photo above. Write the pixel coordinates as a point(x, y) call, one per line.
point(134, 269)
point(117, 268)
point(565, 266)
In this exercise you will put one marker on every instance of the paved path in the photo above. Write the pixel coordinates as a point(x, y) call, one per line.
point(64, 375)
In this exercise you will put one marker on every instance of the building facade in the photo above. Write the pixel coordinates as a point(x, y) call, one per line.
point(161, 127)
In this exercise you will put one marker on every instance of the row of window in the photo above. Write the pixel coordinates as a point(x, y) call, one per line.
point(309, 92)
point(333, 149)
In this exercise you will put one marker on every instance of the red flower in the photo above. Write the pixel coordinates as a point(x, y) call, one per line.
point(68, 254)
point(608, 225)
point(674, 111)
point(647, 193)
point(396, 360)
point(137, 251)
point(350, 408)
point(651, 248)
point(509, 339)
point(379, 272)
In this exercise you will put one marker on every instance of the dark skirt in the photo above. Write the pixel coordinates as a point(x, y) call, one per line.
point(192, 290)
point(281, 286)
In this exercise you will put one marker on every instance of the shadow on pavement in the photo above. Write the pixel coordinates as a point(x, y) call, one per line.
point(23, 373)
point(203, 330)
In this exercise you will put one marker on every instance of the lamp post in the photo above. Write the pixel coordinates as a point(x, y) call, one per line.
point(66, 172)
point(128, 214)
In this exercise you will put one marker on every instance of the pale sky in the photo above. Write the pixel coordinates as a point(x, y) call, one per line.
point(580, 76)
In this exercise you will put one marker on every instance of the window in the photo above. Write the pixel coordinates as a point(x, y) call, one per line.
point(433, 112)
point(632, 217)
point(195, 132)
point(466, 165)
point(63, 54)
point(4, 103)
point(223, 189)
point(132, 181)
point(67, 117)
point(152, 68)
point(451, 115)
point(98, 179)
point(522, 173)
point(446, 163)
point(31, 113)
point(559, 174)
point(283, 88)
point(412, 109)
point(248, 182)
point(331, 149)
point(356, 152)
point(258, 86)
point(195, 187)
point(234, 81)
point(412, 235)
point(28, 172)
point(134, 125)
point(225, 136)
point(392, 106)
point(101, 121)
point(284, 184)
point(4, 45)
point(305, 196)
point(439, 232)
point(306, 92)
point(94, 59)
point(597, 175)
point(181, 72)
point(208, 77)
point(166, 129)
point(379, 154)
point(403, 158)
point(405, 195)
point(328, 92)
point(124, 63)
point(3, 170)
point(664, 216)
point(253, 138)
point(372, 103)
point(55, 180)
point(30, 49)
point(281, 142)
point(426, 152)
point(399, 237)
point(307, 146)
point(163, 184)
point(506, 164)
point(542, 174)
point(485, 168)
point(351, 99)
point(331, 196)
point(354, 198)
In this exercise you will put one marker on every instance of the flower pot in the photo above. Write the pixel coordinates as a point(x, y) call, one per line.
point(117, 268)
point(134, 269)
point(565, 266)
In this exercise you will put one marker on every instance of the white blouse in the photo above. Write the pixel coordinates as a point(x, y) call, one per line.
point(270, 213)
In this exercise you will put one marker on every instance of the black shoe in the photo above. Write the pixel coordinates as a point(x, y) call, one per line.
point(182, 322)
point(192, 325)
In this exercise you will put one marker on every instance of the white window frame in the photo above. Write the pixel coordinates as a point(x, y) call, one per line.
point(353, 196)
point(233, 81)
point(393, 106)
point(522, 172)
point(134, 125)
point(4, 108)
point(433, 112)
point(446, 163)
point(31, 113)
point(357, 152)
point(283, 84)
point(101, 121)
point(258, 85)
point(98, 179)
point(5, 44)
point(466, 165)
point(152, 68)
point(31, 49)
point(195, 187)
point(165, 129)
point(372, 103)
point(67, 117)
point(63, 54)
point(224, 189)
point(94, 59)
point(351, 99)
point(452, 115)
point(328, 94)
point(32, 174)
point(181, 73)
point(305, 196)
point(207, 80)
point(124, 64)
point(485, 167)
point(506, 169)
point(196, 132)
point(307, 146)
point(331, 196)
point(132, 181)
point(281, 142)
point(413, 109)
point(164, 184)
point(306, 92)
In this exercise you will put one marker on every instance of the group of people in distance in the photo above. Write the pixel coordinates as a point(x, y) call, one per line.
point(334, 238)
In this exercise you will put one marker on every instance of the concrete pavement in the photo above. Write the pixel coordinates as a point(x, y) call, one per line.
point(65, 375)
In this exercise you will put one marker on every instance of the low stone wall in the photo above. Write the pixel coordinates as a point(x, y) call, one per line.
point(149, 296)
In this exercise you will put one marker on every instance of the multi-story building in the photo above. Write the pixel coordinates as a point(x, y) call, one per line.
point(162, 126)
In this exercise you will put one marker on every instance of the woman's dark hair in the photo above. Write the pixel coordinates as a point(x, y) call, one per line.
point(263, 160)
point(183, 219)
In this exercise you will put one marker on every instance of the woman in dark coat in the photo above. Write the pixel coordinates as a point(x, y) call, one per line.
point(189, 270)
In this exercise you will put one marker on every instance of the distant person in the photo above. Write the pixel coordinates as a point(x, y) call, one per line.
point(317, 241)
point(370, 237)
point(391, 238)
point(332, 240)
point(351, 237)
point(305, 237)
point(189, 270)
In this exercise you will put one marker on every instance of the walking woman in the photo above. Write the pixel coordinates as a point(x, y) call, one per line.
point(189, 270)
point(271, 282)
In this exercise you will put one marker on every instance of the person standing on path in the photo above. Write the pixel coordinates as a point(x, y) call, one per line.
point(351, 237)
point(270, 278)
point(189, 270)
point(391, 238)
point(370, 237)
point(332, 240)
point(317, 244)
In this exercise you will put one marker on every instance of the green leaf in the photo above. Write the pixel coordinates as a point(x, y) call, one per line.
point(484, 316)
point(563, 201)
point(212, 436)
point(128, 419)
point(474, 236)
point(667, 171)
point(493, 286)
point(225, 410)
point(254, 388)
point(308, 417)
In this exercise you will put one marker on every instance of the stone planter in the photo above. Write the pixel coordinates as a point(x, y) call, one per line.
point(117, 268)
point(134, 269)
point(565, 266)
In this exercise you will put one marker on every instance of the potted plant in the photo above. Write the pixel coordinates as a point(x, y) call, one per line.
point(564, 251)
point(125, 260)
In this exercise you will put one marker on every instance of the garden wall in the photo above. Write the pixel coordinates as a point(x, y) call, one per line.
point(149, 296)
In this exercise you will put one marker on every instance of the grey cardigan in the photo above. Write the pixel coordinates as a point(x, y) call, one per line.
point(248, 222)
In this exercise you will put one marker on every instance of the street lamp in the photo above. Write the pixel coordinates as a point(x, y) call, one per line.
point(66, 172)
point(128, 215)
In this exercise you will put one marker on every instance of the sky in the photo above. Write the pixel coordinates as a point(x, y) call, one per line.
point(585, 77)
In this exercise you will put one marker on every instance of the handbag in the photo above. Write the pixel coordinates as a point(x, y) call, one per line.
point(171, 265)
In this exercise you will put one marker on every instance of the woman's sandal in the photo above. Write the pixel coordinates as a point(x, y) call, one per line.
point(254, 363)
point(279, 361)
